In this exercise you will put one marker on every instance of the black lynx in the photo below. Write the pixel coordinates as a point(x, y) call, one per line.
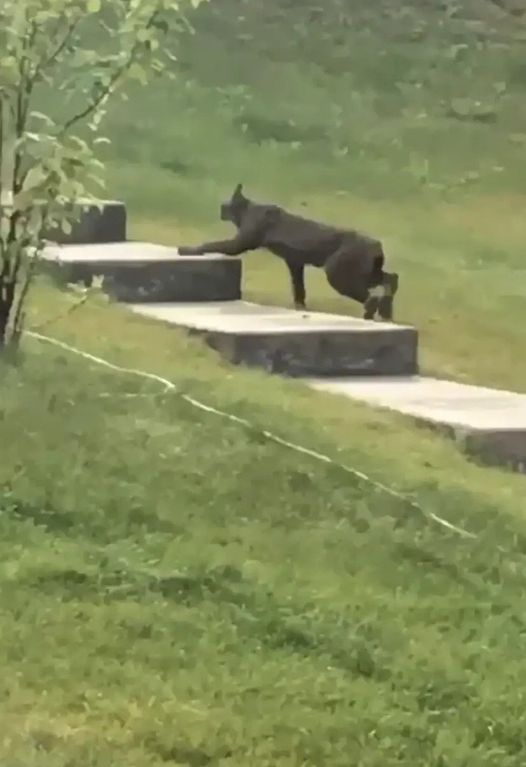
point(353, 262)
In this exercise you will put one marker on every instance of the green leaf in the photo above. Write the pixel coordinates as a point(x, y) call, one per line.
point(137, 72)
point(143, 35)
point(93, 6)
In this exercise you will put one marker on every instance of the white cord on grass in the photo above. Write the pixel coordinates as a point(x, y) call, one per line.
point(170, 386)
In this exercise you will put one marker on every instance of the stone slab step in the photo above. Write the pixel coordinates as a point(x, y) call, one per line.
point(143, 272)
point(488, 423)
point(294, 343)
point(102, 223)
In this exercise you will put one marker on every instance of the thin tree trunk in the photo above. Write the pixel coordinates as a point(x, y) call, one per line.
point(4, 322)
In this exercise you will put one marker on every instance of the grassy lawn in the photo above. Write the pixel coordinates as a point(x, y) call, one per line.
point(175, 589)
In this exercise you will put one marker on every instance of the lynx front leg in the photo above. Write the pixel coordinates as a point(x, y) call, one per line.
point(297, 277)
point(233, 247)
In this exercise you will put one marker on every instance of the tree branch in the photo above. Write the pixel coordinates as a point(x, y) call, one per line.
point(107, 90)
point(42, 66)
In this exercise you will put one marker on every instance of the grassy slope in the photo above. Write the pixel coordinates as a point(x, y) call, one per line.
point(185, 592)
point(176, 590)
point(346, 119)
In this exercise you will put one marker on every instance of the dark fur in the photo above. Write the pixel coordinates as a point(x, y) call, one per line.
point(353, 262)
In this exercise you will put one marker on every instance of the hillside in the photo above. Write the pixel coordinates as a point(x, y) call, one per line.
point(406, 121)
point(379, 100)
point(176, 589)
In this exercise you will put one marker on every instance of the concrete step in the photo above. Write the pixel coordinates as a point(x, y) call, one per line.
point(102, 223)
point(142, 272)
point(294, 343)
point(489, 424)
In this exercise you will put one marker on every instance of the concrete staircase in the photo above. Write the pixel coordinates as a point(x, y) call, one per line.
point(373, 362)
point(292, 343)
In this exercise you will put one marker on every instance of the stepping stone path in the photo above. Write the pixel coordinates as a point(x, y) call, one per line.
point(487, 423)
point(294, 343)
point(140, 272)
point(102, 223)
point(372, 362)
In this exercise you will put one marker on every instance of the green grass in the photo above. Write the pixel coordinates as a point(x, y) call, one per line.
point(176, 589)
point(348, 120)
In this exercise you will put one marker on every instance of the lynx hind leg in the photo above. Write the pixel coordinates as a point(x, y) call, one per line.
point(380, 298)
point(390, 288)
point(372, 303)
